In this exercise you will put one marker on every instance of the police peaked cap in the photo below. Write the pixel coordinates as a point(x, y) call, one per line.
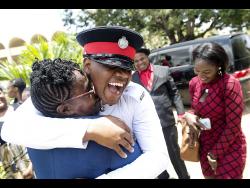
point(111, 45)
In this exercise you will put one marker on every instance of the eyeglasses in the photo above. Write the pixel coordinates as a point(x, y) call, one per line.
point(79, 96)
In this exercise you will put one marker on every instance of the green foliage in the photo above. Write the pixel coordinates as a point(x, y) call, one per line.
point(2, 171)
point(159, 26)
point(62, 46)
point(12, 70)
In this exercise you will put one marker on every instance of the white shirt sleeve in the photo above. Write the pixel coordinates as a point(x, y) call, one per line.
point(148, 131)
point(28, 127)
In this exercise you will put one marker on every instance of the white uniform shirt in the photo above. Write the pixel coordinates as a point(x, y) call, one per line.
point(135, 108)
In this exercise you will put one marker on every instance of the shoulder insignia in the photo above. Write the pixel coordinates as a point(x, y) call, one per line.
point(142, 95)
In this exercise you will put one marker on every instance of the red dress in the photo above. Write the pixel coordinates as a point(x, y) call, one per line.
point(224, 106)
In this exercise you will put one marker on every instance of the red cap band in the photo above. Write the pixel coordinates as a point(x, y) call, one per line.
point(108, 48)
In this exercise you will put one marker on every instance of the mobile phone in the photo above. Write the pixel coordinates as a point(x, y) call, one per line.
point(206, 123)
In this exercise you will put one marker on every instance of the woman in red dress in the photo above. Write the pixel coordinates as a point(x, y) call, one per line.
point(218, 96)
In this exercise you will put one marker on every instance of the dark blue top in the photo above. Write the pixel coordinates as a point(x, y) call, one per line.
point(69, 163)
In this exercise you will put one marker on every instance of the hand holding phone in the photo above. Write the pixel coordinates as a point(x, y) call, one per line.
point(205, 123)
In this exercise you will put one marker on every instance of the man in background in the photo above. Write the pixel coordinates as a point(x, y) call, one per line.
point(15, 90)
point(167, 61)
point(158, 82)
point(14, 159)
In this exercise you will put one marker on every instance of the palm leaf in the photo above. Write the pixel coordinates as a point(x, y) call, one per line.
point(63, 46)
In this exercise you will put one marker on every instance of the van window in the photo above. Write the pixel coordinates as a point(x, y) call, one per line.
point(154, 59)
point(241, 51)
point(179, 56)
point(237, 48)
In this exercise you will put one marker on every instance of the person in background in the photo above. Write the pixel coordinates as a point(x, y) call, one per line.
point(108, 61)
point(167, 61)
point(158, 82)
point(25, 94)
point(218, 96)
point(14, 159)
point(15, 90)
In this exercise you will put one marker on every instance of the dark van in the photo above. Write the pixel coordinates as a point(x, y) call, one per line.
point(181, 65)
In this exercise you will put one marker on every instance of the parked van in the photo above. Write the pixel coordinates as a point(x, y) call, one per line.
point(181, 65)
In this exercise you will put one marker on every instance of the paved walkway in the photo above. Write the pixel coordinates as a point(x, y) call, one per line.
point(194, 168)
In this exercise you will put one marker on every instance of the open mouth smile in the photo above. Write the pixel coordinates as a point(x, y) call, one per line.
point(116, 87)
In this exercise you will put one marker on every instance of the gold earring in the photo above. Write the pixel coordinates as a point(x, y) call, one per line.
point(219, 71)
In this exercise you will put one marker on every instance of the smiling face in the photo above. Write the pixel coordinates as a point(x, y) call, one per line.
point(141, 61)
point(206, 71)
point(109, 82)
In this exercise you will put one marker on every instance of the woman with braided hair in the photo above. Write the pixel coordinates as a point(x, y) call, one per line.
point(60, 89)
point(108, 61)
point(54, 85)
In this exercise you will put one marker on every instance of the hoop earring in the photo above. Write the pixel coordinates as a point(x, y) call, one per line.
point(219, 71)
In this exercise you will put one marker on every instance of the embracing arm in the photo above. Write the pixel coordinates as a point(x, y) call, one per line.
point(148, 131)
point(28, 127)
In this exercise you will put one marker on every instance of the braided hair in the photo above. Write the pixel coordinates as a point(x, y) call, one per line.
point(51, 84)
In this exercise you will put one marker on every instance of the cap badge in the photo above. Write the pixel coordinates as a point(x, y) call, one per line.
point(123, 43)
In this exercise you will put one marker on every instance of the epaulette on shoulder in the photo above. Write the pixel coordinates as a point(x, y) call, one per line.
point(142, 95)
point(135, 91)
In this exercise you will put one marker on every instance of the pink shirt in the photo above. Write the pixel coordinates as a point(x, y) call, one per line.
point(147, 77)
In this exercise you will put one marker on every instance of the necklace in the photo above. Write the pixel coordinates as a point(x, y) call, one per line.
point(204, 95)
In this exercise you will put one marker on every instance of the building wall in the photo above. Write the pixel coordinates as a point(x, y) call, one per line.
point(12, 48)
